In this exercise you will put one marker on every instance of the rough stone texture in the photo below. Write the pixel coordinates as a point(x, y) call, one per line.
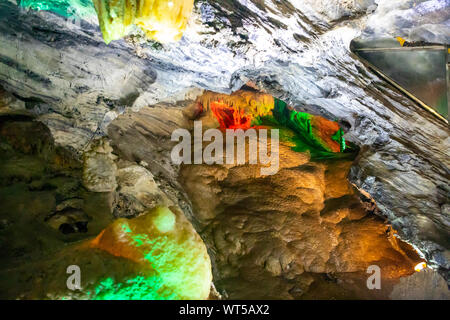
point(144, 137)
point(297, 52)
point(66, 73)
point(44, 205)
point(143, 258)
point(48, 219)
point(301, 233)
point(99, 169)
point(138, 191)
point(422, 20)
point(426, 284)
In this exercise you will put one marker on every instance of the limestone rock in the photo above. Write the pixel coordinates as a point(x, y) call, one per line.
point(160, 20)
point(293, 235)
point(99, 169)
point(44, 205)
point(138, 191)
point(63, 74)
point(424, 285)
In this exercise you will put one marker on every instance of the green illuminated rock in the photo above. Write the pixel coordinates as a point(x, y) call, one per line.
point(83, 9)
point(174, 258)
point(152, 257)
point(323, 139)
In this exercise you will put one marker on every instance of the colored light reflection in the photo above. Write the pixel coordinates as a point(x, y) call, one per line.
point(419, 267)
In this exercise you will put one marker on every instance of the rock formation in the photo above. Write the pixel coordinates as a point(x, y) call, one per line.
point(85, 132)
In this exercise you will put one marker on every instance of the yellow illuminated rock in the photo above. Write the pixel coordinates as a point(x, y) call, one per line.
point(401, 40)
point(161, 20)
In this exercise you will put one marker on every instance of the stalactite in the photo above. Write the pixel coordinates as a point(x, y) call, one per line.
point(246, 109)
point(161, 20)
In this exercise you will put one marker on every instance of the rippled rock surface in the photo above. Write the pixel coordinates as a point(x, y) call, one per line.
point(61, 72)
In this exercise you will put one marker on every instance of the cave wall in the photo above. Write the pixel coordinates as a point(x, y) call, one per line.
point(65, 75)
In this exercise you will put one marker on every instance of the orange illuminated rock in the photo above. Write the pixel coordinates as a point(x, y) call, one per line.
point(245, 109)
point(237, 110)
